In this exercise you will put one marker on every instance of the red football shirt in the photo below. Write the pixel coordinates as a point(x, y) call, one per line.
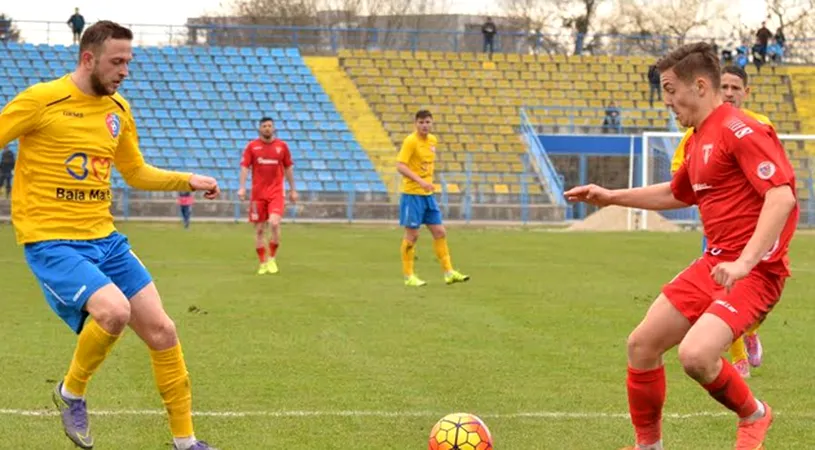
point(731, 161)
point(268, 161)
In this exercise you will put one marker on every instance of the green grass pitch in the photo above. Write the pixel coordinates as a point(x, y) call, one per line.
point(334, 353)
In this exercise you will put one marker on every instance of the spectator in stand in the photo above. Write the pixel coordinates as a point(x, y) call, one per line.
point(654, 83)
point(489, 30)
point(776, 53)
point(612, 121)
point(780, 39)
point(763, 36)
point(77, 24)
point(6, 169)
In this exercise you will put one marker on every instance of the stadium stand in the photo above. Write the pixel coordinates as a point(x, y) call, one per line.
point(478, 101)
point(476, 111)
point(196, 108)
point(356, 112)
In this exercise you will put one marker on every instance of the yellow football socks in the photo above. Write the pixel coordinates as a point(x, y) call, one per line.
point(443, 254)
point(173, 384)
point(92, 347)
point(408, 256)
point(738, 352)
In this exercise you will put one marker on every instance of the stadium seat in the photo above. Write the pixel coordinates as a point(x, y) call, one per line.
point(197, 106)
point(476, 106)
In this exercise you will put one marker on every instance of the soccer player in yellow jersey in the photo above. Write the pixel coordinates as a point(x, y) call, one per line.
point(746, 351)
point(72, 132)
point(417, 205)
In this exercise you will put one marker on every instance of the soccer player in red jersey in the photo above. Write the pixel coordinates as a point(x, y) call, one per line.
point(270, 160)
point(737, 172)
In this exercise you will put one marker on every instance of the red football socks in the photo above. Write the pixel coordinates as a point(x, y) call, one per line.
point(273, 249)
point(730, 389)
point(646, 397)
point(261, 254)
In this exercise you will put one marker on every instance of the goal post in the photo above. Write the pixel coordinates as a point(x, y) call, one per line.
point(650, 163)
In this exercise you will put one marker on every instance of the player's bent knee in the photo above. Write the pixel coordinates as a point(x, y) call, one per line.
point(109, 308)
point(698, 362)
point(275, 220)
point(162, 334)
point(643, 350)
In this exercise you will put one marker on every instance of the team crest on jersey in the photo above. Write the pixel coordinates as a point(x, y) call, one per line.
point(766, 170)
point(114, 124)
point(706, 150)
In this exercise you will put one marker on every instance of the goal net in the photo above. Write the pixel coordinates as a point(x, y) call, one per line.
point(650, 163)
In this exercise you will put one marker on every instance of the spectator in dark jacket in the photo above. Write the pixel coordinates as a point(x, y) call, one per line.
point(489, 30)
point(763, 36)
point(77, 24)
point(6, 169)
point(654, 83)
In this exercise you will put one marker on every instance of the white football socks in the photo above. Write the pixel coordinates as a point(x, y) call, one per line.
point(67, 394)
point(184, 443)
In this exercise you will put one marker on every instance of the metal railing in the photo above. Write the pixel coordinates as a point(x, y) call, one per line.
point(323, 39)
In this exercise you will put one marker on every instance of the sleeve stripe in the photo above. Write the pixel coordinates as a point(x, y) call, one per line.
point(58, 101)
point(118, 104)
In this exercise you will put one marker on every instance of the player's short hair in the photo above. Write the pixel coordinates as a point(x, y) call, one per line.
point(265, 119)
point(423, 114)
point(737, 71)
point(98, 33)
point(692, 60)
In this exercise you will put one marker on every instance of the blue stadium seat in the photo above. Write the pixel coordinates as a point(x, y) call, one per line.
point(197, 106)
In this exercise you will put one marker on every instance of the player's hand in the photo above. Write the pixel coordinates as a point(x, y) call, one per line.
point(591, 193)
point(727, 273)
point(207, 184)
point(242, 194)
point(428, 187)
point(294, 196)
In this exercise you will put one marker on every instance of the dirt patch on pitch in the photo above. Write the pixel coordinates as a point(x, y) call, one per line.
point(615, 218)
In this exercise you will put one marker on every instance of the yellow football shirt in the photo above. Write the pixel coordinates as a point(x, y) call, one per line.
point(69, 144)
point(679, 154)
point(420, 157)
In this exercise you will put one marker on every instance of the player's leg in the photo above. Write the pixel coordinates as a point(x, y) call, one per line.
point(276, 208)
point(75, 289)
point(259, 216)
point(755, 351)
point(433, 219)
point(747, 303)
point(663, 327)
point(410, 219)
point(738, 357)
point(152, 324)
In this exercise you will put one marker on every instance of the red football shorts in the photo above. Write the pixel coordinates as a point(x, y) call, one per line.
point(261, 209)
point(694, 292)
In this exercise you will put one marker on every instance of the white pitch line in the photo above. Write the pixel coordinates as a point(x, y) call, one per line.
point(382, 414)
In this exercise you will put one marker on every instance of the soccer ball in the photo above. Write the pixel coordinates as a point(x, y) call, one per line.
point(460, 431)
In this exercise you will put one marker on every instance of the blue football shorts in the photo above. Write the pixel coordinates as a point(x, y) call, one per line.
point(418, 210)
point(70, 271)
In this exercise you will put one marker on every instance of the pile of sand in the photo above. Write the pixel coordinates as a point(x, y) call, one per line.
point(615, 218)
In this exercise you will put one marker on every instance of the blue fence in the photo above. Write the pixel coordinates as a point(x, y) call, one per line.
point(329, 39)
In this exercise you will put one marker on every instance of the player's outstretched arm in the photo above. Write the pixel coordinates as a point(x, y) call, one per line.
point(656, 197)
point(140, 175)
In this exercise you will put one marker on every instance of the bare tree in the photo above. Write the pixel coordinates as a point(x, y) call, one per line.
point(796, 20)
point(655, 26)
point(790, 14)
point(316, 25)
